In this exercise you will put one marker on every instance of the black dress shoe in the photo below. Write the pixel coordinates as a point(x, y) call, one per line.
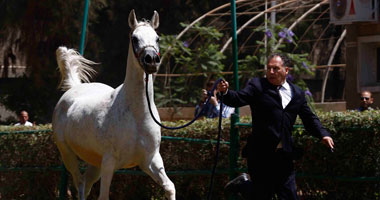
point(237, 184)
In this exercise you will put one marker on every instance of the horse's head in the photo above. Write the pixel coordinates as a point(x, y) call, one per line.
point(145, 42)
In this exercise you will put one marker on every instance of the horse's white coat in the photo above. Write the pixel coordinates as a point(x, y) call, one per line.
point(110, 128)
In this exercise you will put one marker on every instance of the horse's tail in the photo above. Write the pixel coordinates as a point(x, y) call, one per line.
point(74, 68)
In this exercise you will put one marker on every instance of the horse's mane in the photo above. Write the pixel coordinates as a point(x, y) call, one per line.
point(143, 22)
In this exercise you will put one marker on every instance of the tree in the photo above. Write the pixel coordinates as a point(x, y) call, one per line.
point(188, 57)
point(34, 29)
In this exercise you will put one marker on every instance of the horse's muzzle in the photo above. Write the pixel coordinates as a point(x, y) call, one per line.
point(150, 60)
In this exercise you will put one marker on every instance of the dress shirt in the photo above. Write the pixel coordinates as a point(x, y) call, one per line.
point(285, 93)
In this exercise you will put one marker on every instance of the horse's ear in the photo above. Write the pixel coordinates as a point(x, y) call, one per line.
point(155, 21)
point(132, 21)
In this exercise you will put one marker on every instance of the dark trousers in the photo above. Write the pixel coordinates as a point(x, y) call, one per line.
point(271, 174)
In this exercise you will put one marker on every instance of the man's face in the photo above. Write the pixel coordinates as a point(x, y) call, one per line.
point(276, 71)
point(24, 117)
point(366, 99)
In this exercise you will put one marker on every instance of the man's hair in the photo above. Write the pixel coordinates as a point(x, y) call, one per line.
point(370, 93)
point(286, 61)
point(22, 112)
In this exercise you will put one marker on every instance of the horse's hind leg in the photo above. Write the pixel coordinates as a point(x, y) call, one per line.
point(155, 169)
point(72, 165)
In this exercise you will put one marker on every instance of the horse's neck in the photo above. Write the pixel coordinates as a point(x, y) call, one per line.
point(134, 83)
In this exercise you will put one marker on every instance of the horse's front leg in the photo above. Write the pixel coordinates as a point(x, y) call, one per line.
point(91, 175)
point(155, 169)
point(106, 173)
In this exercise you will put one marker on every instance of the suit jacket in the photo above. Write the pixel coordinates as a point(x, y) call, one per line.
point(270, 122)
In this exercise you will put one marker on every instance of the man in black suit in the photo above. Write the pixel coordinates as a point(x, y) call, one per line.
point(275, 104)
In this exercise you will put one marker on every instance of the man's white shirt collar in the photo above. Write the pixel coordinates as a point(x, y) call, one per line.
point(286, 85)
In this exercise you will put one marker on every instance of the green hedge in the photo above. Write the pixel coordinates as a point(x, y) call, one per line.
point(351, 172)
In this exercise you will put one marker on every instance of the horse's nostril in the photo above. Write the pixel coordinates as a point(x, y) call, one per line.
point(157, 59)
point(147, 58)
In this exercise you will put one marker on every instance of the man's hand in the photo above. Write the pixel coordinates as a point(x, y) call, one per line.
point(204, 95)
point(328, 141)
point(222, 87)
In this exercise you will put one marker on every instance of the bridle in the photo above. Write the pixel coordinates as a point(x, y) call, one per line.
point(138, 54)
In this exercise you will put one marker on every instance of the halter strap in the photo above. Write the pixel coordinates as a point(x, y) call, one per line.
point(138, 54)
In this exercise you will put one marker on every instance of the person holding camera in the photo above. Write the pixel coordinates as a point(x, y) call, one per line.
point(213, 108)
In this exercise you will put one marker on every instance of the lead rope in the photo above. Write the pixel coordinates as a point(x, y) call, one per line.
point(209, 195)
point(187, 124)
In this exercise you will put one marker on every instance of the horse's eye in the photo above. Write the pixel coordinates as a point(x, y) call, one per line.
point(158, 40)
point(134, 40)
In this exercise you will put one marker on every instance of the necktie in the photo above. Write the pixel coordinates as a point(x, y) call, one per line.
point(278, 91)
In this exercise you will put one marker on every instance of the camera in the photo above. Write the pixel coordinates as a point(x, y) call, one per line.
point(209, 93)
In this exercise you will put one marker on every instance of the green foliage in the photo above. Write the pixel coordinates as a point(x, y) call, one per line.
point(38, 153)
point(321, 174)
point(250, 64)
point(186, 57)
point(357, 154)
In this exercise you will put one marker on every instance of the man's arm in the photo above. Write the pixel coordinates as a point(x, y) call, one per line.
point(236, 99)
point(313, 125)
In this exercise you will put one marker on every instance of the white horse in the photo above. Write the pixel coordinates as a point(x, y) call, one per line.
point(110, 128)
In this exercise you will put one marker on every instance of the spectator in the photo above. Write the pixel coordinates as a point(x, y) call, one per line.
point(23, 118)
point(366, 100)
point(270, 151)
point(213, 108)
